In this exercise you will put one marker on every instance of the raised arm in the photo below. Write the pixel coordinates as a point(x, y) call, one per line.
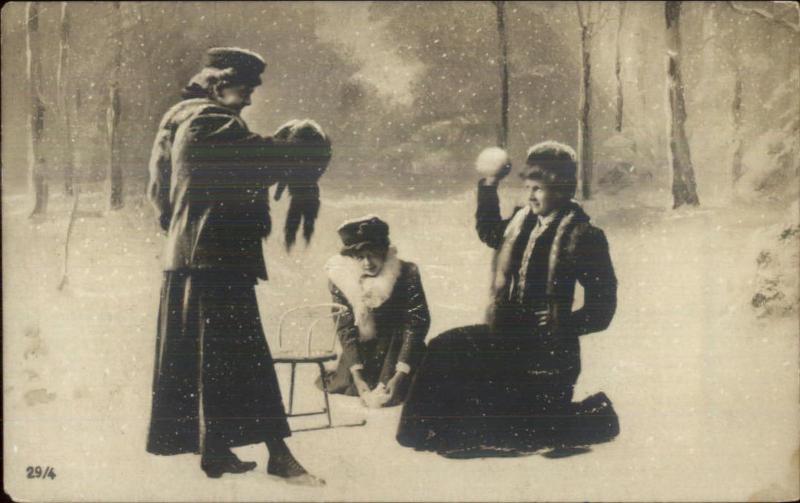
point(488, 221)
point(224, 153)
point(595, 272)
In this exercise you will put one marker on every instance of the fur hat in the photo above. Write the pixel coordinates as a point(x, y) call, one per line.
point(553, 162)
point(247, 65)
point(551, 147)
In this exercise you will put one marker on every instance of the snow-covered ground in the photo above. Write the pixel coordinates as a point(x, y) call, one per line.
point(707, 393)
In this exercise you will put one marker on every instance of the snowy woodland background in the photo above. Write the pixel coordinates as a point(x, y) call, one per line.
point(687, 120)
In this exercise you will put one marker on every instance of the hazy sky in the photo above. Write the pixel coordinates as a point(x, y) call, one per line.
point(382, 66)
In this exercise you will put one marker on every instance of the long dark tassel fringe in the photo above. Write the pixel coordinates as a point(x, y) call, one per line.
point(304, 208)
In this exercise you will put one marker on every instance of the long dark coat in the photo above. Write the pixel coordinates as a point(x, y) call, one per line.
point(401, 324)
point(509, 383)
point(213, 380)
point(569, 251)
point(208, 180)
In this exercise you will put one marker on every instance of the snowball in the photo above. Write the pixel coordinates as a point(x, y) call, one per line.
point(491, 160)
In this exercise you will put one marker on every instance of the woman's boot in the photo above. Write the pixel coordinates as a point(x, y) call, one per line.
point(283, 464)
point(220, 460)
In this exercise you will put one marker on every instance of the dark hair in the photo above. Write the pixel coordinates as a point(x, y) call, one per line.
point(202, 84)
point(554, 164)
point(380, 246)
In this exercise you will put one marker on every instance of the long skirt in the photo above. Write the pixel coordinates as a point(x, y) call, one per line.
point(214, 382)
point(474, 390)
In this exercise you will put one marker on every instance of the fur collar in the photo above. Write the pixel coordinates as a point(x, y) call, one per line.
point(186, 109)
point(568, 217)
point(182, 110)
point(365, 293)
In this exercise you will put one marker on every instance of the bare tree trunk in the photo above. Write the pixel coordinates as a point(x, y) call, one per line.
point(736, 110)
point(502, 133)
point(503, 37)
point(709, 38)
point(684, 190)
point(112, 114)
point(584, 126)
point(649, 138)
point(756, 11)
point(618, 68)
point(641, 77)
point(144, 32)
point(62, 77)
point(36, 158)
point(70, 226)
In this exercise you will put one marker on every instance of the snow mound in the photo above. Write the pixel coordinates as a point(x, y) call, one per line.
point(777, 292)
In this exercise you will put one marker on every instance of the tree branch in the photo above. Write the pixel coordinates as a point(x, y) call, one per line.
point(765, 15)
point(580, 15)
point(602, 17)
point(705, 42)
point(621, 13)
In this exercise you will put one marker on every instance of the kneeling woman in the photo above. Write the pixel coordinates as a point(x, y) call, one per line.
point(383, 332)
point(508, 384)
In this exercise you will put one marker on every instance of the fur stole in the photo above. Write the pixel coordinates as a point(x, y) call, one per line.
point(160, 167)
point(365, 293)
point(572, 215)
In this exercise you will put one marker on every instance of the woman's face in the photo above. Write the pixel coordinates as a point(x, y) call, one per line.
point(542, 198)
point(235, 96)
point(371, 261)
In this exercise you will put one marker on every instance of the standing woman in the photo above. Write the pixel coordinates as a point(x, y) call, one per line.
point(383, 332)
point(214, 384)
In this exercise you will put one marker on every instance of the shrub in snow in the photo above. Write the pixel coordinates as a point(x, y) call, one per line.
point(616, 164)
point(771, 167)
point(777, 292)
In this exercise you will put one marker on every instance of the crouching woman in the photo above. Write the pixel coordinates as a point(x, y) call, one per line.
point(383, 332)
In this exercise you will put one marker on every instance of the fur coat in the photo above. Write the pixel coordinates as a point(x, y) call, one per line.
point(573, 251)
point(364, 293)
point(209, 177)
point(386, 321)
